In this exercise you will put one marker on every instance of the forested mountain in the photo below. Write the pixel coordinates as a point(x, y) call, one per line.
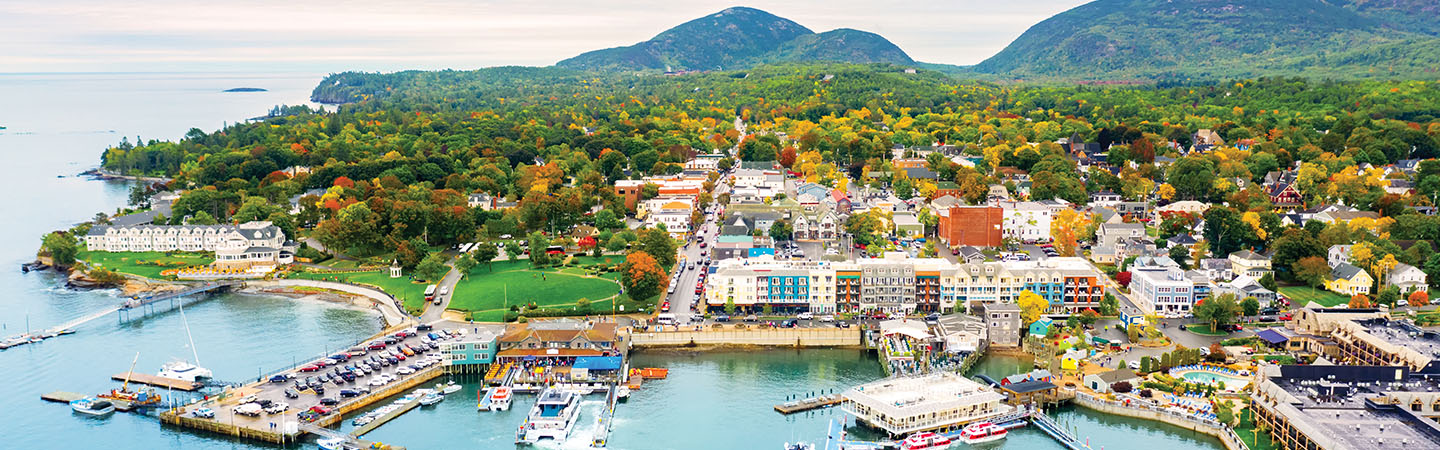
point(1134, 39)
point(740, 37)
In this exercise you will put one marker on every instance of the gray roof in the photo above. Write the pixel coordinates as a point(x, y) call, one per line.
point(1116, 375)
point(98, 230)
point(1246, 254)
point(1345, 271)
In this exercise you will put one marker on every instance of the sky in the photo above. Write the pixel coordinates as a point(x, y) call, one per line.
point(371, 35)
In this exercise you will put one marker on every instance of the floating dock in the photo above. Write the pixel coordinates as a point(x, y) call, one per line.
point(404, 408)
point(62, 397)
point(824, 401)
point(161, 382)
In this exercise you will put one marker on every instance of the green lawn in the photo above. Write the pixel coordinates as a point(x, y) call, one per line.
point(487, 292)
point(1203, 329)
point(1303, 295)
point(413, 294)
point(145, 264)
point(1256, 440)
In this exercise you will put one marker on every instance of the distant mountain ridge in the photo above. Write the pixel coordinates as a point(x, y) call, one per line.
point(1227, 38)
point(740, 37)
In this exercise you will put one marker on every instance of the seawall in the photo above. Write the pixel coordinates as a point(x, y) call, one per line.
point(768, 337)
point(1142, 411)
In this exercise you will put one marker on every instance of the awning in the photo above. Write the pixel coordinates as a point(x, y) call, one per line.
point(597, 362)
point(1272, 336)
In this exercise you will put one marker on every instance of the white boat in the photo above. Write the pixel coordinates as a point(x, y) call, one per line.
point(799, 446)
point(331, 444)
point(553, 417)
point(981, 432)
point(449, 388)
point(926, 441)
point(184, 371)
point(92, 406)
point(622, 393)
point(500, 398)
point(431, 399)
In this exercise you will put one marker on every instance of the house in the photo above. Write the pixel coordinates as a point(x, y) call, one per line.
point(1112, 233)
point(906, 225)
point(1101, 382)
point(1041, 327)
point(1284, 195)
point(1349, 280)
point(970, 255)
point(295, 206)
point(708, 163)
point(1026, 221)
point(1002, 323)
point(921, 173)
point(481, 200)
point(997, 193)
point(1407, 277)
point(251, 246)
point(1337, 255)
point(822, 225)
point(839, 202)
point(1167, 291)
point(1182, 240)
point(1245, 286)
point(1400, 187)
point(1104, 198)
point(1217, 269)
point(1104, 254)
point(673, 212)
point(1344, 216)
point(1190, 207)
point(1249, 263)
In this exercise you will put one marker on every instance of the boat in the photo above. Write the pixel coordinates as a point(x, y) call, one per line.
point(622, 393)
point(431, 399)
point(799, 446)
point(925, 441)
point(92, 406)
point(500, 398)
point(184, 371)
point(331, 444)
point(142, 397)
point(482, 400)
point(448, 388)
point(553, 417)
point(976, 433)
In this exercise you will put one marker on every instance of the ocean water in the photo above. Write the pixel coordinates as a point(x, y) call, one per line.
point(57, 126)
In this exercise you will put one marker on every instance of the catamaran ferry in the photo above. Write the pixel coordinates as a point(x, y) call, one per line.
point(553, 417)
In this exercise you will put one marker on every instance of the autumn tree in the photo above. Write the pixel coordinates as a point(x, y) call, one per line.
point(659, 245)
point(1067, 229)
point(1359, 301)
point(1419, 298)
point(642, 276)
point(1032, 306)
point(1217, 310)
point(1312, 270)
point(787, 157)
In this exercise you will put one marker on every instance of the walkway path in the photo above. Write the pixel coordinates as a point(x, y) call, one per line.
point(389, 307)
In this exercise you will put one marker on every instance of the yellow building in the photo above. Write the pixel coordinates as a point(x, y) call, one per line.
point(1349, 280)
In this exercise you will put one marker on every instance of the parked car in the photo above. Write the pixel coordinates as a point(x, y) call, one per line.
point(805, 316)
point(1134, 365)
point(827, 318)
point(281, 378)
point(291, 393)
point(751, 318)
point(347, 393)
point(788, 323)
point(722, 318)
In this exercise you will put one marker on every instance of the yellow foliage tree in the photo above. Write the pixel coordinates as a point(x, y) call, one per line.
point(1167, 191)
point(1253, 218)
point(1067, 229)
point(1032, 305)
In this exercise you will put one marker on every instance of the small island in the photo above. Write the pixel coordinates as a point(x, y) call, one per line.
point(246, 89)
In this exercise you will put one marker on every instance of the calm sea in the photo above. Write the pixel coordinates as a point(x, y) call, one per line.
point(57, 126)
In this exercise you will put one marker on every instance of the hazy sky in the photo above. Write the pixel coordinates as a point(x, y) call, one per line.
point(309, 35)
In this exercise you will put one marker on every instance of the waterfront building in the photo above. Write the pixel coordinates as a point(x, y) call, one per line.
point(1346, 407)
point(257, 246)
point(558, 342)
point(940, 401)
point(962, 333)
point(1370, 337)
point(472, 349)
point(1002, 323)
point(1101, 382)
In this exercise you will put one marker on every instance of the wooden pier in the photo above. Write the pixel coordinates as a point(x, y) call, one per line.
point(161, 382)
point(404, 408)
point(61, 397)
point(824, 401)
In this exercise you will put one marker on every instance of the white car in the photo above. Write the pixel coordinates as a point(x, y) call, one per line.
point(277, 408)
point(405, 371)
point(379, 381)
point(827, 318)
point(805, 316)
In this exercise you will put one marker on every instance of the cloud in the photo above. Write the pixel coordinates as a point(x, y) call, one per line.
point(261, 35)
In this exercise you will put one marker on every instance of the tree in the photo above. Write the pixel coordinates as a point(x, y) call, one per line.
point(1181, 255)
point(1147, 364)
point(781, 231)
point(1312, 270)
point(616, 244)
point(485, 254)
point(1109, 305)
point(465, 263)
point(729, 306)
point(1072, 322)
point(1217, 353)
point(1218, 310)
point(1068, 228)
point(538, 243)
point(1267, 281)
point(1250, 305)
point(642, 276)
point(582, 305)
point(1193, 177)
point(512, 252)
point(1359, 301)
point(1123, 278)
point(1032, 306)
point(61, 248)
point(432, 268)
point(1088, 317)
point(1388, 296)
point(607, 220)
point(1121, 387)
point(1419, 298)
point(659, 245)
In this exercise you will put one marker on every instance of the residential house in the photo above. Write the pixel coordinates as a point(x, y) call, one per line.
point(921, 173)
point(1217, 269)
point(1400, 187)
point(1250, 264)
point(1190, 207)
point(481, 200)
point(971, 255)
point(1025, 221)
point(1284, 195)
point(1345, 216)
point(1408, 278)
point(1101, 382)
point(1245, 286)
point(906, 225)
point(1105, 198)
point(822, 225)
point(1338, 254)
point(673, 212)
point(1111, 233)
point(1349, 280)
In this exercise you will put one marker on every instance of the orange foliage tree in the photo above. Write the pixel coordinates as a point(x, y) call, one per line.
point(1359, 301)
point(642, 276)
point(1419, 298)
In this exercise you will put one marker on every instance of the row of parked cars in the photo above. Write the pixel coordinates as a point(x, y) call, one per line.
point(361, 361)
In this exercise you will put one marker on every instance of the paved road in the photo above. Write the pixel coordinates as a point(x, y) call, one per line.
point(433, 311)
point(690, 252)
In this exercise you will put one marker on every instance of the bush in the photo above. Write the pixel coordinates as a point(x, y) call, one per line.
point(1121, 387)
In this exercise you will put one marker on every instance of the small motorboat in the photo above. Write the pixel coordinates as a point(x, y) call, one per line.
point(331, 444)
point(799, 446)
point(500, 398)
point(925, 441)
point(976, 433)
point(431, 399)
point(92, 406)
point(622, 393)
point(448, 388)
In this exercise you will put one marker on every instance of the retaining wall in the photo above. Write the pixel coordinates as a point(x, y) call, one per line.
point(389, 307)
point(770, 337)
point(1143, 411)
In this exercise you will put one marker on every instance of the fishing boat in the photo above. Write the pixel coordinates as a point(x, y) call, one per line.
point(926, 441)
point(500, 398)
point(331, 444)
point(92, 406)
point(431, 399)
point(552, 418)
point(141, 397)
point(976, 433)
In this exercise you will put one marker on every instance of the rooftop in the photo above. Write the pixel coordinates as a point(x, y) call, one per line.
point(1335, 406)
point(906, 397)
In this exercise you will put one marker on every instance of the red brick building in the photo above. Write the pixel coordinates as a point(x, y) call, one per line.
point(970, 225)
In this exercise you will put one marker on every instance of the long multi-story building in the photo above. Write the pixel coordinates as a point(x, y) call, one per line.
point(1370, 337)
point(1316, 407)
point(941, 401)
point(898, 284)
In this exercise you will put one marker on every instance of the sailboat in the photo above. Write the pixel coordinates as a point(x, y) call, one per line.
point(184, 370)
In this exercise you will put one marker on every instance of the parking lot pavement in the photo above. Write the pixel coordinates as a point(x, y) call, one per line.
point(275, 391)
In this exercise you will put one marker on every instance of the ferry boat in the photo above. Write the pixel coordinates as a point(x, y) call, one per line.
point(184, 371)
point(431, 399)
point(553, 417)
point(982, 432)
point(92, 406)
point(926, 441)
point(500, 398)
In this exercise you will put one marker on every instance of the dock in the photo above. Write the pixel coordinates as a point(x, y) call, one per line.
point(404, 408)
point(824, 401)
point(160, 382)
point(350, 441)
point(1048, 425)
point(136, 303)
point(61, 397)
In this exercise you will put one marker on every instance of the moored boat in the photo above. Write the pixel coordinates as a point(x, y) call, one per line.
point(448, 388)
point(500, 398)
point(92, 406)
point(330, 444)
point(431, 399)
point(184, 371)
point(926, 441)
point(552, 418)
point(981, 432)
point(622, 393)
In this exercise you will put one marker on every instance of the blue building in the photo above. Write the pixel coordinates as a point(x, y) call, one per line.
point(470, 351)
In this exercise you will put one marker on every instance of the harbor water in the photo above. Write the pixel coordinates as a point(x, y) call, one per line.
point(57, 127)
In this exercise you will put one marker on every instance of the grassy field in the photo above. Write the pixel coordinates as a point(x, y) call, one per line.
point(488, 292)
point(145, 264)
point(413, 294)
point(1303, 295)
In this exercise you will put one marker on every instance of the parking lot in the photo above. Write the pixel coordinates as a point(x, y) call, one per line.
point(314, 389)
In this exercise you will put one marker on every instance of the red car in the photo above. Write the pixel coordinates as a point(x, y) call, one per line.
point(376, 346)
point(321, 363)
point(321, 410)
point(310, 368)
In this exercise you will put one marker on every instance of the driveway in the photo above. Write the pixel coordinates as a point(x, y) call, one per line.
point(432, 311)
